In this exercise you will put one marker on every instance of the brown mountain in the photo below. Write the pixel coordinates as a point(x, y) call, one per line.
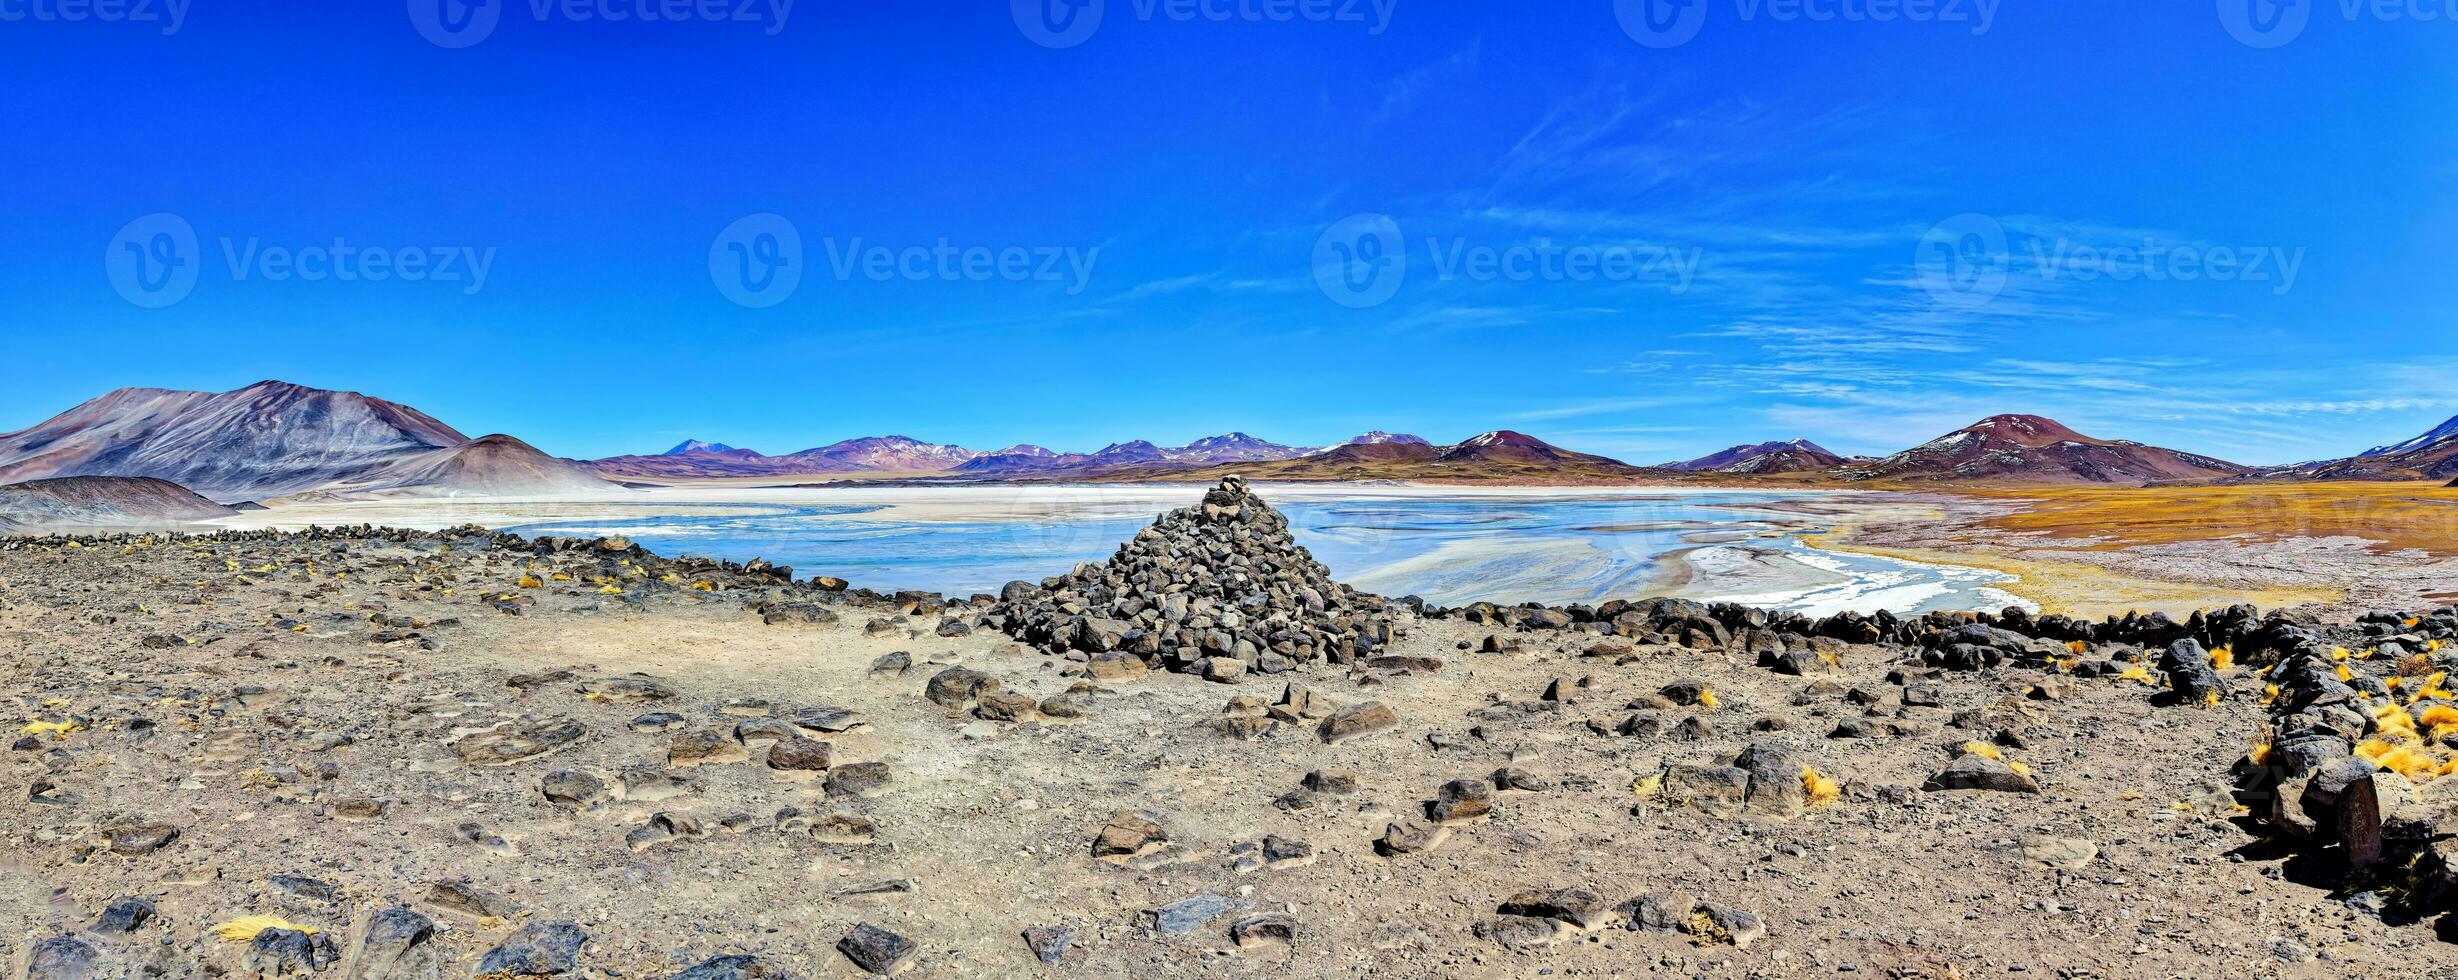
point(1810, 460)
point(489, 466)
point(268, 439)
point(2032, 449)
point(1795, 456)
point(102, 501)
point(1739, 454)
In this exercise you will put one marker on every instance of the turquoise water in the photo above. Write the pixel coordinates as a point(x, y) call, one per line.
point(1741, 546)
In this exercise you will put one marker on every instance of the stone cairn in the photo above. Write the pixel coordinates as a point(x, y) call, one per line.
point(1218, 589)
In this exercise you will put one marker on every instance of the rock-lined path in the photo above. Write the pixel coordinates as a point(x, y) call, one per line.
point(361, 753)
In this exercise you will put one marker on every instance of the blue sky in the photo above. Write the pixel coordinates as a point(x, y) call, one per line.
point(1797, 222)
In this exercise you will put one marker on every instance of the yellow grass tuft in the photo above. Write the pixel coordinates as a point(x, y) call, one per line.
point(2078, 646)
point(2345, 674)
point(1978, 748)
point(1648, 786)
point(244, 928)
point(2393, 720)
point(2222, 658)
point(2018, 767)
point(2137, 672)
point(2340, 653)
point(610, 589)
point(1821, 790)
point(529, 582)
point(58, 730)
point(2270, 692)
point(2260, 753)
point(1707, 700)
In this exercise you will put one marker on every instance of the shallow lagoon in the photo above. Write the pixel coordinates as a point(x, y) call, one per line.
point(1563, 546)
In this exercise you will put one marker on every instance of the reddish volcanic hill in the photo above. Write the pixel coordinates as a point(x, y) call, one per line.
point(1795, 456)
point(1506, 446)
point(2032, 449)
point(1810, 460)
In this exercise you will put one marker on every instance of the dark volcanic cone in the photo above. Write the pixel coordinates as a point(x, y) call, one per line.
point(1221, 579)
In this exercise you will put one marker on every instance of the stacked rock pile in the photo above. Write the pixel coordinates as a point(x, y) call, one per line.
point(2359, 767)
point(1219, 588)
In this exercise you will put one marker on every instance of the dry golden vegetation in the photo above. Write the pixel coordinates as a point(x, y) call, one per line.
point(2421, 516)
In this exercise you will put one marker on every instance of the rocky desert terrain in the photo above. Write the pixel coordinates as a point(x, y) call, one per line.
point(388, 754)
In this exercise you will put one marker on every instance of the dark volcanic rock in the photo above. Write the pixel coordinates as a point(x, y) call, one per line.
point(1204, 587)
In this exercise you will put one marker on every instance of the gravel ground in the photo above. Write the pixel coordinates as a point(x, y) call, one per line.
point(331, 729)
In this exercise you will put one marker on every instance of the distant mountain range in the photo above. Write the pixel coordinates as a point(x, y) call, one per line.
point(1493, 457)
point(905, 456)
point(2431, 456)
point(275, 439)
